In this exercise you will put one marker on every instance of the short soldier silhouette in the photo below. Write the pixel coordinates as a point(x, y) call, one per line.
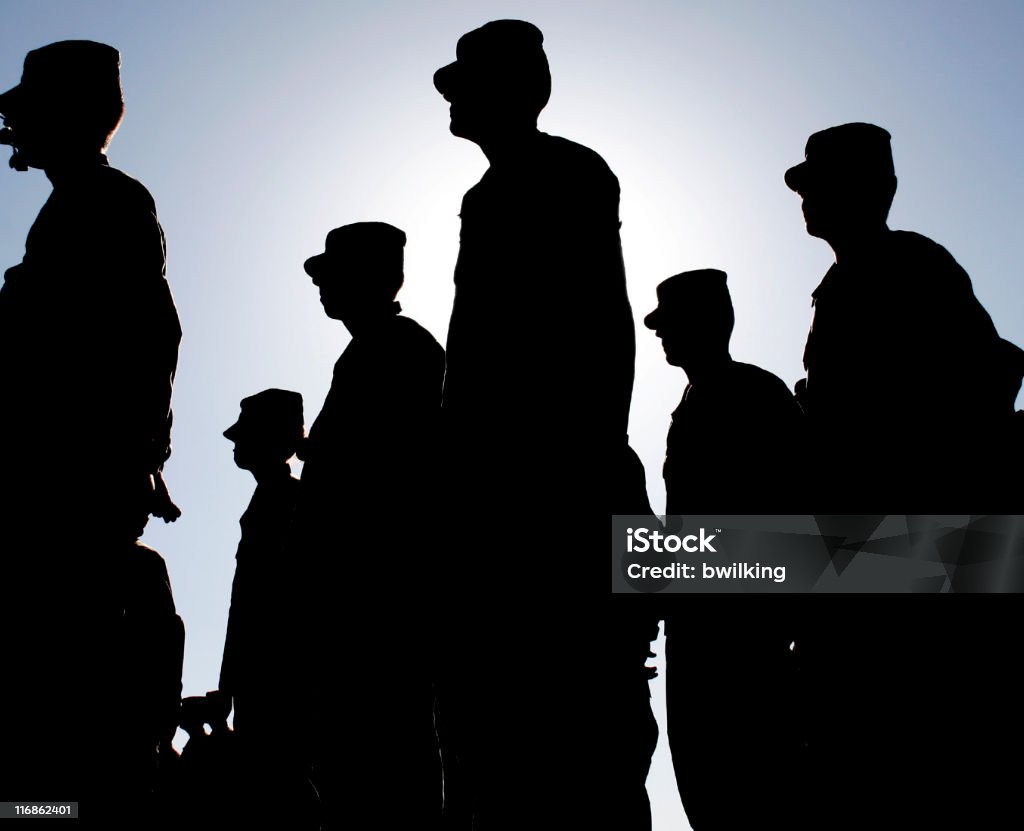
point(904, 367)
point(258, 671)
point(366, 497)
point(737, 431)
point(268, 432)
point(535, 411)
point(88, 348)
point(731, 449)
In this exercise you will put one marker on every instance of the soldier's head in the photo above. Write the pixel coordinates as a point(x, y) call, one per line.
point(499, 81)
point(269, 430)
point(694, 317)
point(68, 105)
point(360, 271)
point(847, 181)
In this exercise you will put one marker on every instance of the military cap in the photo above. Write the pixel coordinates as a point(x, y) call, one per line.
point(271, 414)
point(503, 52)
point(704, 286)
point(852, 151)
point(375, 242)
point(79, 73)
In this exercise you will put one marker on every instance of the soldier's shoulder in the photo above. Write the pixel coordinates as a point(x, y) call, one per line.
point(124, 191)
point(928, 270)
point(415, 335)
point(571, 156)
point(761, 382)
point(146, 564)
point(910, 245)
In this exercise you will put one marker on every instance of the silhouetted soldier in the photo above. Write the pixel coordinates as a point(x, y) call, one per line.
point(736, 434)
point(731, 449)
point(530, 375)
point(88, 348)
point(268, 432)
point(258, 671)
point(535, 408)
point(366, 496)
point(909, 396)
point(904, 366)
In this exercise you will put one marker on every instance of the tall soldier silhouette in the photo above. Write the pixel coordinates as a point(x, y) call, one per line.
point(909, 397)
point(88, 348)
point(731, 448)
point(268, 432)
point(904, 366)
point(535, 409)
point(365, 498)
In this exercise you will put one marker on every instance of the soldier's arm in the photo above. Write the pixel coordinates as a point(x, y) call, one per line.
point(142, 331)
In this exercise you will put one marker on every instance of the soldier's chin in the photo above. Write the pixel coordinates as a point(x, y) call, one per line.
point(18, 161)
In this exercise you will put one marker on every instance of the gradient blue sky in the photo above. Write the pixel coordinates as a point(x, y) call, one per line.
point(258, 126)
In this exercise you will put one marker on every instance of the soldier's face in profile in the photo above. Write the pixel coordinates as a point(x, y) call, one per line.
point(18, 133)
point(472, 110)
point(243, 455)
point(834, 204)
point(332, 296)
point(676, 340)
point(255, 452)
point(819, 208)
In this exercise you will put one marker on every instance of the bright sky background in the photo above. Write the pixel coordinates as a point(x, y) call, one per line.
point(258, 126)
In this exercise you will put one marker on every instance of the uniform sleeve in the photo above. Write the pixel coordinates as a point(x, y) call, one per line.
point(141, 333)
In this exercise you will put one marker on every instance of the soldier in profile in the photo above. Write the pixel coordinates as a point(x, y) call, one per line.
point(904, 367)
point(908, 397)
point(535, 410)
point(737, 431)
point(731, 448)
point(268, 432)
point(88, 348)
point(365, 501)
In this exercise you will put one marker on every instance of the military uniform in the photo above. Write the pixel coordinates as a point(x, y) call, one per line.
point(88, 340)
point(540, 345)
point(902, 368)
point(733, 445)
point(365, 497)
point(253, 670)
point(536, 398)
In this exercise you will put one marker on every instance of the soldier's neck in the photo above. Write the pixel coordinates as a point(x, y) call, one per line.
point(505, 146)
point(276, 472)
point(705, 369)
point(368, 320)
point(858, 245)
point(73, 165)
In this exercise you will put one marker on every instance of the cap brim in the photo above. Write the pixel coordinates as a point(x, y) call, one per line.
point(314, 266)
point(444, 78)
point(796, 177)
